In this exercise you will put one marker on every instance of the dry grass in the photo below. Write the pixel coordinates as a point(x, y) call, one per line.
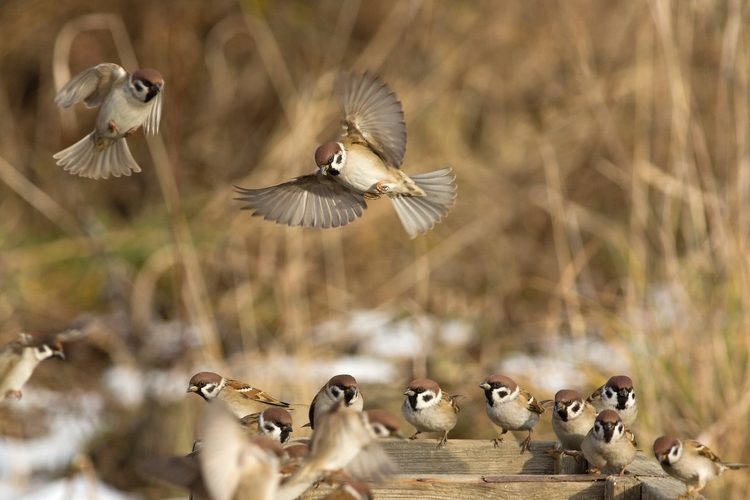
point(602, 154)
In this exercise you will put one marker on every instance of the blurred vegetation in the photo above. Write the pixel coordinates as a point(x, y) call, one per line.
point(602, 153)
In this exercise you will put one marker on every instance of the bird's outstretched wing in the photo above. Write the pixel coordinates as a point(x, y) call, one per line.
point(312, 200)
point(373, 113)
point(92, 86)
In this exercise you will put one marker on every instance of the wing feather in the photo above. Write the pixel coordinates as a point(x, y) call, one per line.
point(310, 201)
point(91, 85)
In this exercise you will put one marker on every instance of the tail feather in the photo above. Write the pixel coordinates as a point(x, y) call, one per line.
point(84, 160)
point(736, 466)
point(419, 214)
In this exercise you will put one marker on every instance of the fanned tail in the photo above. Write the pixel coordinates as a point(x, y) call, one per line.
point(83, 159)
point(419, 214)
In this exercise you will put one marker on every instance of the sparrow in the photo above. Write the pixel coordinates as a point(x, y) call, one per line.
point(510, 407)
point(127, 101)
point(344, 441)
point(240, 398)
point(351, 490)
point(273, 423)
point(690, 462)
point(235, 467)
point(338, 388)
point(429, 409)
point(366, 164)
point(572, 419)
point(609, 443)
point(618, 395)
point(19, 358)
point(384, 424)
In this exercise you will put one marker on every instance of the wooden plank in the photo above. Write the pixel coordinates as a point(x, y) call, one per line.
point(663, 488)
point(464, 456)
point(461, 486)
point(622, 488)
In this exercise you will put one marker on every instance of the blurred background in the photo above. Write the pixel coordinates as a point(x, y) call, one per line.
point(602, 156)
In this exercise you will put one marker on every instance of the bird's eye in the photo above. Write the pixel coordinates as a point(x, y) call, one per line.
point(201, 384)
point(419, 390)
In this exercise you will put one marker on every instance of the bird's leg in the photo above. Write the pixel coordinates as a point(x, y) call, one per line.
point(414, 436)
point(622, 471)
point(443, 440)
point(131, 131)
point(370, 196)
point(525, 443)
point(112, 126)
point(594, 470)
point(383, 187)
point(499, 438)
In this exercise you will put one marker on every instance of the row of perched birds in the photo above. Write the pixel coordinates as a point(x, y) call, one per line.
point(245, 429)
point(241, 454)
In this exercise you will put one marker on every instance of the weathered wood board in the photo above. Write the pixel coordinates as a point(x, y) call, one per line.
point(476, 469)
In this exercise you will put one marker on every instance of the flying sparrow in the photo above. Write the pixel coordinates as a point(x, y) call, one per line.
point(690, 462)
point(344, 440)
point(351, 490)
point(19, 358)
point(365, 165)
point(429, 409)
point(273, 423)
point(240, 398)
point(572, 419)
point(127, 100)
point(235, 467)
point(609, 443)
point(510, 407)
point(618, 395)
point(338, 388)
point(384, 424)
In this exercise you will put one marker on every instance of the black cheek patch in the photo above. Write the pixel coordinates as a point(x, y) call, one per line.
point(502, 394)
point(427, 397)
point(575, 407)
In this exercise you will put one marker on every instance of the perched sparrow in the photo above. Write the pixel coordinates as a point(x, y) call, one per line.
point(339, 388)
point(19, 359)
point(240, 398)
point(429, 409)
point(351, 490)
point(510, 407)
point(127, 101)
point(617, 394)
point(273, 423)
point(344, 440)
point(384, 424)
point(365, 165)
point(609, 443)
point(572, 419)
point(690, 462)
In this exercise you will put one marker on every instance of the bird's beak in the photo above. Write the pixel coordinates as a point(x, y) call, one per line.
point(485, 386)
point(399, 434)
point(409, 392)
point(192, 388)
point(59, 354)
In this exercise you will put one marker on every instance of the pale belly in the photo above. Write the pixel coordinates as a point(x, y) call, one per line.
point(362, 172)
point(126, 114)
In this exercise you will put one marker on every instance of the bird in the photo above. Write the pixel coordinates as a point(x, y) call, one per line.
point(127, 101)
point(351, 490)
point(19, 358)
point(690, 462)
point(344, 441)
point(366, 164)
point(510, 407)
point(429, 409)
point(618, 395)
point(240, 398)
point(274, 423)
point(338, 388)
point(384, 424)
point(233, 466)
point(572, 419)
point(609, 443)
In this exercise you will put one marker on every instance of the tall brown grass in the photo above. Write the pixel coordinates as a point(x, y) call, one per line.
point(602, 153)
